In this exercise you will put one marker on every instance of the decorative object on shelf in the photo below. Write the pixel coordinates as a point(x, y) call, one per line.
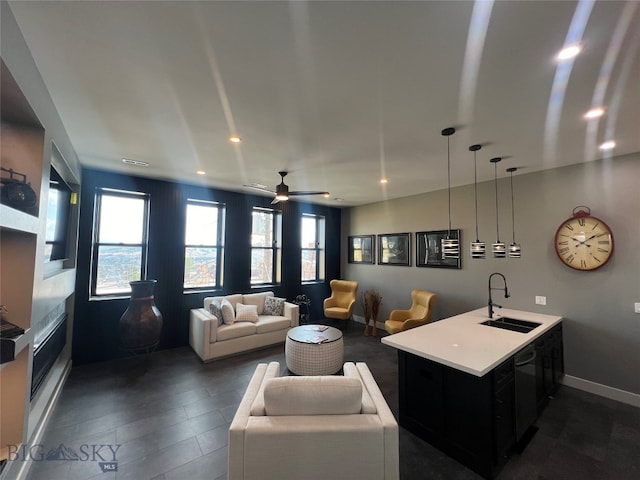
point(361, 249)
point(584, 242)
point(15, 192)
point(515, 250)
point(371, 300)
point(428, 249)
point(141, 324)
point(498, 248)
point(394, 249)
point(450, 245)
point(8, 329)
point(478, 248)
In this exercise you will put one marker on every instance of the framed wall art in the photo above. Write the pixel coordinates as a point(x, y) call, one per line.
point(361, 249)
point(429, 249)
point(394, 249)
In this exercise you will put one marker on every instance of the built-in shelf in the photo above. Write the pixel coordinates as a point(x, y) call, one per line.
point(11, 347)
point(12, 219)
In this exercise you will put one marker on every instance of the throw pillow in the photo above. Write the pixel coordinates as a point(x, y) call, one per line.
point(274, 306)
point(246, 313)
point(228, 315)
point(216, 310)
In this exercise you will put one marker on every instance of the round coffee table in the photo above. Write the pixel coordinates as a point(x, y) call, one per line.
point(314, 350)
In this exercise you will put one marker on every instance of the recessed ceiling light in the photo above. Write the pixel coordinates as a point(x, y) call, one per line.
point(235, 139)
point(594, 113)
point(569, 52)
point(137, 163)
point(384, 180)
point(610, 145)
point(201, 172)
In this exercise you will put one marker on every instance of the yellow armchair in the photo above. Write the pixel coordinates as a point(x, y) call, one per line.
point(419, 314)
point(342, 301)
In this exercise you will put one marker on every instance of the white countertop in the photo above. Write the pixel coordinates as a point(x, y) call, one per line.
point(463, 343)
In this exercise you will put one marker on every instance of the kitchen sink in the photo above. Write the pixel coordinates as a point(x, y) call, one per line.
point(513, 324)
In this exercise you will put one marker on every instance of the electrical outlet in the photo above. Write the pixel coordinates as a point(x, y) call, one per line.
point(636, 307)
point(541, 300)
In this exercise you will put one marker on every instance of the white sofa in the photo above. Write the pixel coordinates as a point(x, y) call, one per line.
point(211, 341)
point(313, 428)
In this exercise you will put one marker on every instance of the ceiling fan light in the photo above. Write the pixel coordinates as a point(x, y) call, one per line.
point(282, 197)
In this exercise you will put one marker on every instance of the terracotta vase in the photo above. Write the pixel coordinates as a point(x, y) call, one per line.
point(141, 324)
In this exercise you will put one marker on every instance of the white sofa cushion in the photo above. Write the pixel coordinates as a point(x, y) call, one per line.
point(228, 313)
point(234, 299)
point(268, 323)
point(318, 395)
point(246, 313)
point(274, 306)
point(256, 299)
point(236, 330)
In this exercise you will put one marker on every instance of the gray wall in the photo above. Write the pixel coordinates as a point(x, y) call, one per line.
point(601, 330)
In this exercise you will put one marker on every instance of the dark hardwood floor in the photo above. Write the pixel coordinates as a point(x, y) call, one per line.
point(170, 414)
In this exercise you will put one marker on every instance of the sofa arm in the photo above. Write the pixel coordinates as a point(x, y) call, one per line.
point(237, 429)
point(203, 326)
point(292, 312)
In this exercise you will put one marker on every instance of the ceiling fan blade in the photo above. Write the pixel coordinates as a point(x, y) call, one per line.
point(274, 201)
point(260, 188)
point(308, 193)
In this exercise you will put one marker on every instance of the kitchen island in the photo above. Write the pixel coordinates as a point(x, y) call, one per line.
point(474, 390)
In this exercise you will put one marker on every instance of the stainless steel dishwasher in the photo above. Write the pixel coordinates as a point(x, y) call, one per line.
point(525, 387)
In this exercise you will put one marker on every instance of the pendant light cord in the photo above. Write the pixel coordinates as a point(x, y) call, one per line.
point(495, 181)
point(513, 215)
point(449, 184)
point(475, 184)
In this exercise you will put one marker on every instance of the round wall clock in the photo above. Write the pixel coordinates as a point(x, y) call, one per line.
point(584, 242)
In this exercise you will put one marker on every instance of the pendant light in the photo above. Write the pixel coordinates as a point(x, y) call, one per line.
point(450, 246)
point(514, 248)
point(498, 248)
point(478, 248)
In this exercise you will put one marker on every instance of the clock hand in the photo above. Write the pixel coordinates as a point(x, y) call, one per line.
point(582, 243)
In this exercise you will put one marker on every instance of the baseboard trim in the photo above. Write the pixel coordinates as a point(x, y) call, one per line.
point(612, 393)
point(46, 416)
point(359, 319)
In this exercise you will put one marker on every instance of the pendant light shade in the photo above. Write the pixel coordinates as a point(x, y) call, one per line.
point(478, 248)
point(498, 248)
point(515, 251)
point(450, 246)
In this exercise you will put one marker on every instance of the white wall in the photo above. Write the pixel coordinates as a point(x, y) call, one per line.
point(601, 330)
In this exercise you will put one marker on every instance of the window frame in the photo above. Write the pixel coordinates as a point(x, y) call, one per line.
point(319, 248)
point(218, 246)
point(276, 246)
point(96, 244)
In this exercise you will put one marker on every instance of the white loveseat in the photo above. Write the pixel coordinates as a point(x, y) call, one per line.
point(313, 428)
point(211, 341)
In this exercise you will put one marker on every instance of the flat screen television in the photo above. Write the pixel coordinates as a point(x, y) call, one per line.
point(58, 214)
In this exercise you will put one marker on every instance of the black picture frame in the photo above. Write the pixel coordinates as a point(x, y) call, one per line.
point(394, 249)
point(361, 249)
point(428, 249)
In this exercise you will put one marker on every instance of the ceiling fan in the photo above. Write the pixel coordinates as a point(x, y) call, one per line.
point(282, 192)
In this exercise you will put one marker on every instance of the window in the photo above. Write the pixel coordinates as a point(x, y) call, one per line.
point(266, 239)
point(203, 245)
point(120, 241)
point(312, 238)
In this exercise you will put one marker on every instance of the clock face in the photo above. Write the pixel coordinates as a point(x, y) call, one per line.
point(584, 243)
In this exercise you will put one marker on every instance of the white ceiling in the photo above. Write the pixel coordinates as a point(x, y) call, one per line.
point(337, 93)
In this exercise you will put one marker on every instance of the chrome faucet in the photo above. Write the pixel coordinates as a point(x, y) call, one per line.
point(506, 293)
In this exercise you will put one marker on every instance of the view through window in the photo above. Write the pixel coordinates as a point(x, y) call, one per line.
point(312, 244)
point(120, 241)
point(266, 233)
point(203, 253)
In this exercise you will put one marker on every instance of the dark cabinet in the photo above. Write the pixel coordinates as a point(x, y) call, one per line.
point(468, 417)
point(549, 365)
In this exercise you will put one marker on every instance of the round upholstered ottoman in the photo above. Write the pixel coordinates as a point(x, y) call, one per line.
point(314, 350)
